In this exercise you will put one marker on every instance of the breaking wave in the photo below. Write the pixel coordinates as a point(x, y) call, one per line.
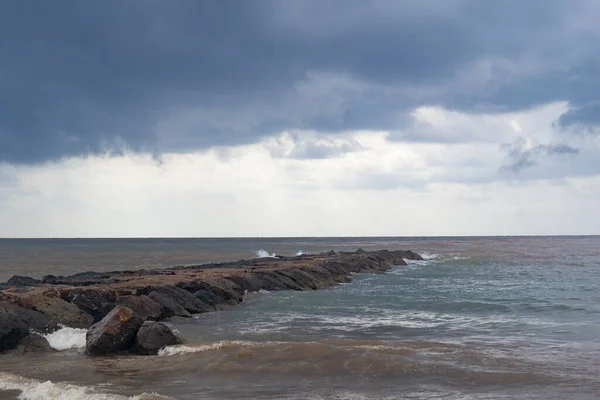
point(67, 339)
point(178, 350)
point(32, 389)
point(264, 254)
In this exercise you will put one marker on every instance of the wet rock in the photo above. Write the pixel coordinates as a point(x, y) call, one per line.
point(228, 291)
point(97, 303)
point(170, 306)
point(23, 281)
point(60, 311)
point(12, 328)
point(153, 336)
point(144, 307)
point(186, 299)
point(33, 343)
point(115, 333)
point(207, 297)
point(276, 281)
point(248, 281)
point(409, 255)
point(305, 280)
point(336, 268)
point(17, 322)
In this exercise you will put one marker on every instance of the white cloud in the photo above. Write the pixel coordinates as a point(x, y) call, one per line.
point(368, 183)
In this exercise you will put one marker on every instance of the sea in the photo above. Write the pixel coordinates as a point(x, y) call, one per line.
point(479, 318)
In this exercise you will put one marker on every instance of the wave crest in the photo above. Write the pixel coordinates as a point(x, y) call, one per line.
point(32, 389)
point(67, 339)
point(264, 254)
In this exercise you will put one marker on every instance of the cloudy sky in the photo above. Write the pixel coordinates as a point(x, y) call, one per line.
point(299, 118)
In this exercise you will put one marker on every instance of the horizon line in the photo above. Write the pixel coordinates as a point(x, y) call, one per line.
point(290, 237)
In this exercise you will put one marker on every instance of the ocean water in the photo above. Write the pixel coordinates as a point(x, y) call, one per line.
point(481, 318)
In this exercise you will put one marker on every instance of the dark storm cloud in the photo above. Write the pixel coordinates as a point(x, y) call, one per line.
point(86, 77)
point(586, 115)
point(519, 156)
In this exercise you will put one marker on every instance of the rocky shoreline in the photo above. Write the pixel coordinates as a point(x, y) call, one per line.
point(122, 310)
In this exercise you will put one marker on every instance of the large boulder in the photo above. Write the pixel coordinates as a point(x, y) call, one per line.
point(208, 298)
point(114, 333)
point(248, 281)
point(186, 299)
point(170, 306)
point(143, 306)
point(153, 336)
point(275, 281)
point(16, 323)
point(60, 311)
point(228, 291)
point(23, 281)
point(12, 328)
point(95, 302)
point(33, 343)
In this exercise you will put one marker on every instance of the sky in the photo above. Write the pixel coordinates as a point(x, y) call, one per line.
point(150, 118)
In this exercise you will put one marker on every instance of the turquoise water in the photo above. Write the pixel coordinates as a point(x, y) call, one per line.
point(481, 318)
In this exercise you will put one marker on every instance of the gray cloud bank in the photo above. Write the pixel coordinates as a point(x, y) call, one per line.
point(519, 156)
point(87, 77)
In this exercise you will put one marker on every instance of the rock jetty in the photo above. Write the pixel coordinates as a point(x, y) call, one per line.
point(122, 309)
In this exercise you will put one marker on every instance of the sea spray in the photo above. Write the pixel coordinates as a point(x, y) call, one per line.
point(264, 254)
point(67, 339)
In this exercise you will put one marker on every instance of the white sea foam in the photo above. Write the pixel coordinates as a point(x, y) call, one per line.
point(263, 254)
point(299, 253)
point(67, 339)
point(429, 256)
point(178, 350)
point(32, 389)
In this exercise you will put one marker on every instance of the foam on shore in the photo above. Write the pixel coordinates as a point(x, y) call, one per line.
point(67, 339)
point(33, 389)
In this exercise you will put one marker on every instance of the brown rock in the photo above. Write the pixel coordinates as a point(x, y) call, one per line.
point(143, 306)
point(153, 336)
point(114, 333)
point(60, 311)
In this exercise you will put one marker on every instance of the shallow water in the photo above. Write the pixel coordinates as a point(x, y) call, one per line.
point(482, 318)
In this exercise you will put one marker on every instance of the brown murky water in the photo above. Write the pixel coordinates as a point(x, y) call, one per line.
point(482, 318)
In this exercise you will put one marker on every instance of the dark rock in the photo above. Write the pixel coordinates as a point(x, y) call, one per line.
point(410, 255)
point(12, 328)
point(169, 305)
point(81, 279)
point(153, 336)
point(23, 281)
point(324, 276)
point(250, 282)
point(33, 343)
point(60, 311)
point(207, 297)
point(186, 299)
point(16, 323)
point(302, 278)
point(226, 290)
point(95, 302)
point(144, 307)
point(276, 281)
point(115, 333)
